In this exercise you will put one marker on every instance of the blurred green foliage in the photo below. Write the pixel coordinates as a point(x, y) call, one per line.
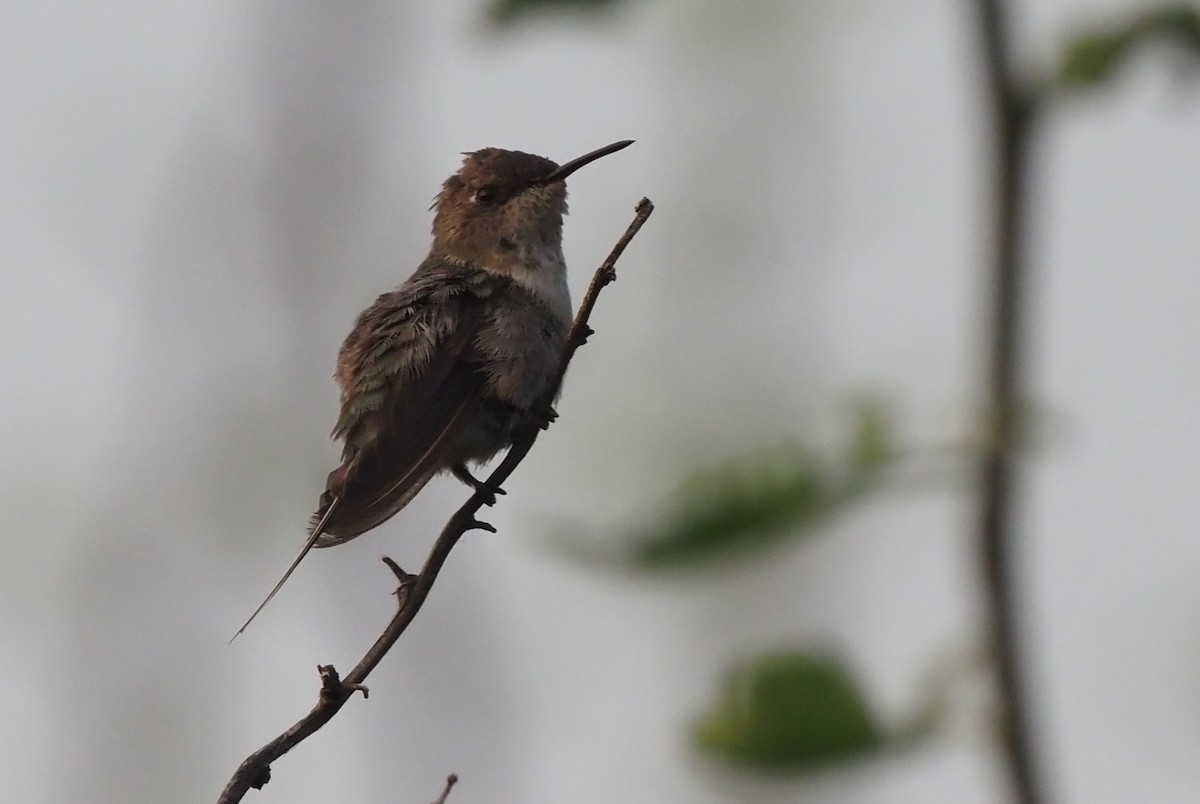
point(766, 495)
point(789, 711)
point(503, 12)
point(1094, 58)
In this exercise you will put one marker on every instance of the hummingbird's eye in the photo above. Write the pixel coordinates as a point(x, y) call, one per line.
point(487, 194)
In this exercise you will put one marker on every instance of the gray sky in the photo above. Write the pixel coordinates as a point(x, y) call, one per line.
point(198, 199)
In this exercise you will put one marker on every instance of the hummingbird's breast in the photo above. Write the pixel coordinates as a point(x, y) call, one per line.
point(520, 346)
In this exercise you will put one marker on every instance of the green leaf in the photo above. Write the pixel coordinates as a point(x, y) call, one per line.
point(765, 496)
point(789, 710)
point(504, 12)
point(873, 444)
point(738, 506)
point(1093, 58)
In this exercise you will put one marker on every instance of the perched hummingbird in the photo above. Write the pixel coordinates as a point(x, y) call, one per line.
point(447, 368)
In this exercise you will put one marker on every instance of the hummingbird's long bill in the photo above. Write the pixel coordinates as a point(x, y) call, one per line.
point(563, 171)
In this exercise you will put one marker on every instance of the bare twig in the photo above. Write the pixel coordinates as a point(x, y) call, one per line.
point(451, 780)
point(255, 769)
point(1013, 111)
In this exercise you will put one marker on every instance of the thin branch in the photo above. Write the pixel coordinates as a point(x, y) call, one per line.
point(255, 770)
point(451, 780)
point(1014, 113)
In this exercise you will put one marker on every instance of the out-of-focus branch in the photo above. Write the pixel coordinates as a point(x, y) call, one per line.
point(255, 770)
point(1013, 111)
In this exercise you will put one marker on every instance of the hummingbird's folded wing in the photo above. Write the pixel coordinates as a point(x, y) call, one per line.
point(409, 377)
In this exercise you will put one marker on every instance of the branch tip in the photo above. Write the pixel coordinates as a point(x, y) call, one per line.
point(451, 780)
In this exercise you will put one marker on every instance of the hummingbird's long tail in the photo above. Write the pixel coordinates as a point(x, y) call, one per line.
point(313, 535)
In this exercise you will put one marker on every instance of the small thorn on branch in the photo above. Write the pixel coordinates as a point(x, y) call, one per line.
point(407, 581)
point(479, 524)
point(398, 571)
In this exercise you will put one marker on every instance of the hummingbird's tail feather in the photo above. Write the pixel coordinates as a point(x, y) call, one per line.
point(361, 520)
point(371, 494)
point(314, 533)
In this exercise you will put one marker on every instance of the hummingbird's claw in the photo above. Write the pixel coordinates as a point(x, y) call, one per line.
point(488, 495)
point(548, 416)
point(460, 471)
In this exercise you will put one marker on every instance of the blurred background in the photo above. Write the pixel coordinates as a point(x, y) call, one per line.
point(199, 198)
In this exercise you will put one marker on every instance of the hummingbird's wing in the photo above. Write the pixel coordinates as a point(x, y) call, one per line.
point(409, 373)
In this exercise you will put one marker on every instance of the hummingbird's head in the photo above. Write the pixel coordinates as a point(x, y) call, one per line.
point(502, 206)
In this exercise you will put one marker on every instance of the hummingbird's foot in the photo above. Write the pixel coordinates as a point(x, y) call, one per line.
point(460, 471)
point(546, 417)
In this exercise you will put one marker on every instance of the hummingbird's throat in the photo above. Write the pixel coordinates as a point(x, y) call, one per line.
point(543, 272)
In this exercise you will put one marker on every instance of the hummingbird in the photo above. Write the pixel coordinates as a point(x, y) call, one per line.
point(446, 369)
